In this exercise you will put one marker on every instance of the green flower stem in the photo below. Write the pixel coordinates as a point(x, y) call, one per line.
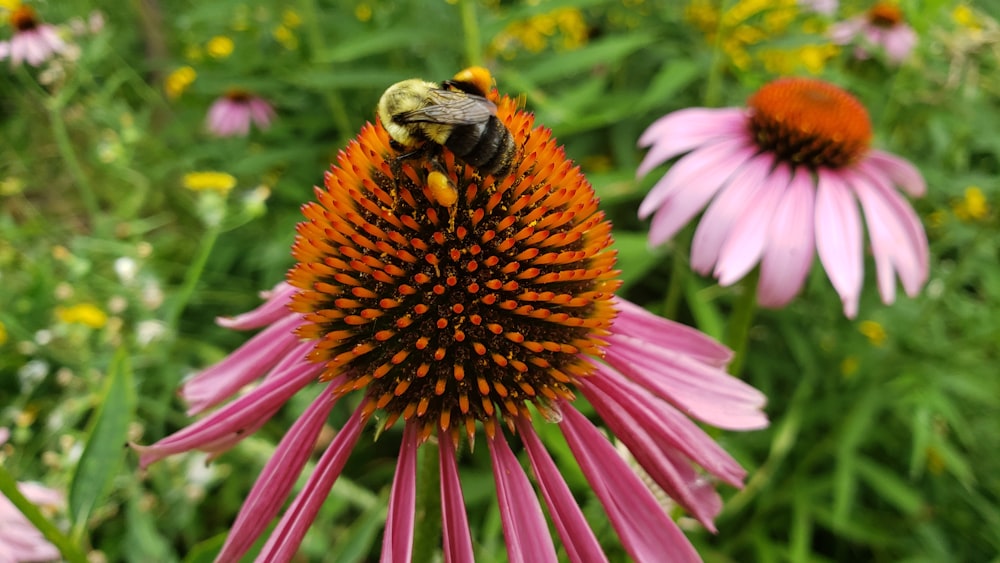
point(314, 34)
point(675, 290)
point(191, 277)
point(70, 551)
point(713, 82)
point(738, 330)
point(470, 28)
point(65, 147)
point(427, 519)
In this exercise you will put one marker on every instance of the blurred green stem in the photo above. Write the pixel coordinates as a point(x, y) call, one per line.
point(738, 329)
point(8, 488)
point(470, 27)
point(191, 277)
point(675, 290)
point(65, 147)
point(314, 34)
point(427, 520)
point(713, 82)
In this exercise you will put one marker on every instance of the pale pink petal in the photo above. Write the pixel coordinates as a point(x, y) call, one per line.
point(249, 362)
point(455, 525)
point(277, 478)
point(700, 187)
point(898, 42)
point(701, 391)
point(664, 333)
point(745, 243)
point(397, 541)
point(721, 215)
point(687, 129)
point(261, 112)
point(287, 536)
point(646, 531)
point(838, 238)
point(271, 311)
point(20, 540)
point(791, 245)
point(844, 32)
point(4, 49)
point(900, 172)
point(698, 171)
point(577, 537)
point(50, 37)
point(524, 527)
point(231, 422)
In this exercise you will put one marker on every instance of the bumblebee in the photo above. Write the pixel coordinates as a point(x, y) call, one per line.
point(456, 114)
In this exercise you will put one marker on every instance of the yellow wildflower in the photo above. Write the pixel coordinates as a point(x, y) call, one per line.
point(873, 331)
point(217, 181)
point(219, 47)
point(849, 366)
point(84, 314)
point(363, 12)
point(285, 36)
point(965, 17)
point(973, 206)
point(178, 81)
point(291, 18)
point(936, 219)
point(10, 4)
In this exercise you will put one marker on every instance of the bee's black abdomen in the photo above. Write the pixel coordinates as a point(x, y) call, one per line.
point(487, 146)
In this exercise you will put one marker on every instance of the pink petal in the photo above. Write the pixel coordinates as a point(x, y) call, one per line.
point(524, 527)
point(277, 478)
point(271, 311)
point(287, 536)
point(704, 392)
point(261, 112)
point(900, 171)
point(715, 224)
point(698, 171)
point(898, 42)
point(457, 541)
point(790, 248)
point(577, 537)
point(397, 541)
point(647, 533)
point(745, 243)
point(838, 238)
point(684, 130)
point(249, 362)
point(633, 320)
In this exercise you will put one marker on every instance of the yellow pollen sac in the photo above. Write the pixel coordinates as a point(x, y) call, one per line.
point(809, 122)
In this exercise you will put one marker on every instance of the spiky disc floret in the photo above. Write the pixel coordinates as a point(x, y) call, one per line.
point(449, 315)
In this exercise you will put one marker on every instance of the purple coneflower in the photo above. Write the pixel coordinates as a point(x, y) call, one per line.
point(20, 541)
point(230, 115)
point(882, 26)
point(463, 317)
point(784, 176)
point(33, 42)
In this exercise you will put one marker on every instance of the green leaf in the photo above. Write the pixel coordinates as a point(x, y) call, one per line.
point(606, 52)
point(634, 256)
point(105, 447)
point(890, 486)
point(673, 76)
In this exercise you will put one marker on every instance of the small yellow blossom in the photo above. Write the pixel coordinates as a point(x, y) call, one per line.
point(937, 219)
point(217, 181)
point(10, 4)
point(973, 206)
point(363, 12)
point(849, 366)
point(11, 185)
point(3, 333)
point(567, 25)
point(84, 314)
point(178, 81)
point(286, 37)
point(965, 17)
point(219, 47)
point(873, 331)
point(291, 18)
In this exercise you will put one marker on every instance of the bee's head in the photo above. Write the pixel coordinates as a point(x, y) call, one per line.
point(398, 99)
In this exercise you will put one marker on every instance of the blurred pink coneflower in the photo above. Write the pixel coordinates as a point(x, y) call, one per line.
point(20, 541)
point(881, 27)
point(784, 176)
point(231, 114)
point(464, 317)
point(33, 42)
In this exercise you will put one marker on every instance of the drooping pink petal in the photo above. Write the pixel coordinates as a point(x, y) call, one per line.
point(397, 541)
point(747, 238)
point(271, 311)
point(721, 215)
point(287, 536)
point(454, 523)
point(900, 171)
point(685, 130)
point(791, 244)
point(524, 527)
point(838, 238)
point(646, 531)
point(705, 169)
point(635, 321)
point(277, 478)
point(898, 42)
point(230, 423)
point(701, 391)
point(260, 112)
point(249, 362)
point(577, 537)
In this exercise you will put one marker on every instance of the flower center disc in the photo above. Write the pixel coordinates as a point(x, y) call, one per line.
point(23, 18)
point(453, 310)
point(810, 122)
point(885, 15)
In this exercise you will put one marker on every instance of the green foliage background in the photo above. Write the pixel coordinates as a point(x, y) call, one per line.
point(885, 436)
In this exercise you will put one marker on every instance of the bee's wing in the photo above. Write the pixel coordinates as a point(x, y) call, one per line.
point(452, 108)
